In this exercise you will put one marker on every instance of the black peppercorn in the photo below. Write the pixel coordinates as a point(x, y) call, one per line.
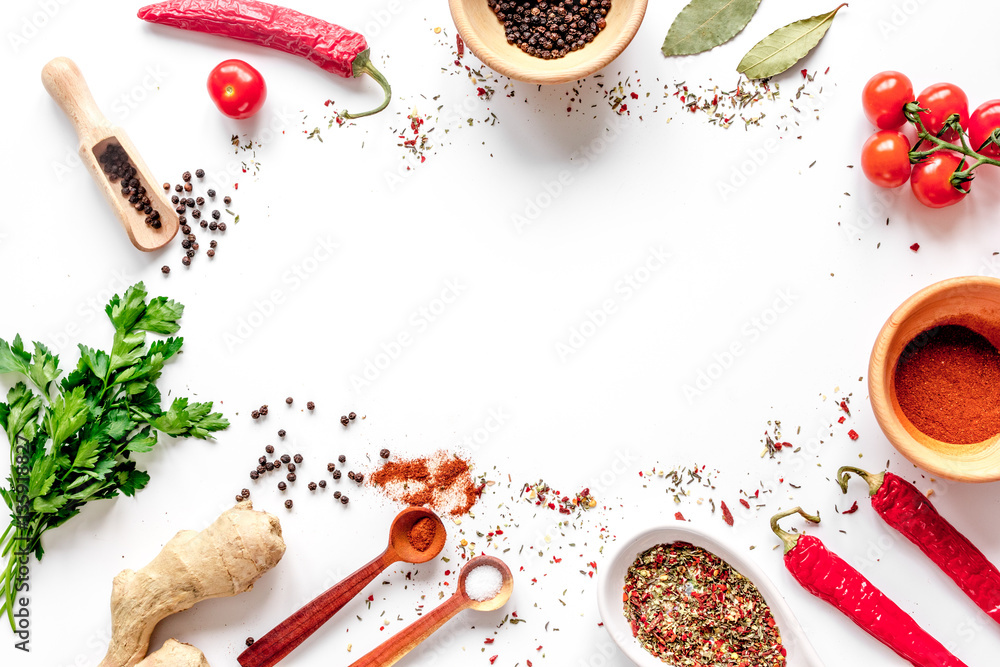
point(222, 228)
point(200, 173)
point(239, 498)
point(282, 486)
point(277, 463)
point(269, 449)
point(269, 466)
point(384, 453)
point(187, 187)
point(288, 503)
point(285, 458)
point(165, 269)
point(190, 253)
point(210, 253)
point(359, 478)
point(288, 400)
point(227, 200)
point(290, 477)
point(213, 243)
point(190, 202)
point(344, 420)
point(261, 469)
point(322, 483)
point(200, 201)
point(330, 467)
point(216, 215)
point(186, 176)
point(185, 244)
point(211, 193)
point(312, 486)
point(350, 475)
point(175, 200)
point(262, 460)
point(203, 224)
point(166, 186)
point(310, 405)
point(297, 458)
point(342, 458)
point(181, 208)
point(249, 641)
point(196, 214)
point(281, 432)
point(255, 414)
point(290, 466)
point(336, 474)
point(263, 409)
point(344, 500)
point(254, 474)
point(337, 494)
point(178, 188)
point(245, 493)
point(186, 261)
point(185, 229)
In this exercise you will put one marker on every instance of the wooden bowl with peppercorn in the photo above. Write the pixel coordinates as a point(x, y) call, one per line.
point(934, 379)
point(579, 38)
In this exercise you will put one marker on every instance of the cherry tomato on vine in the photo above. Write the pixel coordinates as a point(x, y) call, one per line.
point(237, 88)
point(883, 98)
point(982, 123)
point(885, 158)
point(941, 100)
point(931, 180)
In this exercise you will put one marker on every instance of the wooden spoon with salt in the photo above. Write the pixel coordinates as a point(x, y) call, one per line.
point(407, 639)
point(295, 629)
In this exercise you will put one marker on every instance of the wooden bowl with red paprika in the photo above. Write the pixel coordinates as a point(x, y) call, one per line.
point(934, 379)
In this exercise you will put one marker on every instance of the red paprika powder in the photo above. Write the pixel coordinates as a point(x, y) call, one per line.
point(947, 383)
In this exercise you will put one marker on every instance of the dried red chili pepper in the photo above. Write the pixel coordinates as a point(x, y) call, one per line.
point(329, 46)
point(828, 577)
point(902, 506)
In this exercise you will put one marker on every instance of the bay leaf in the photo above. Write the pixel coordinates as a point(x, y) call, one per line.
point(786, 46)
point(705, 24)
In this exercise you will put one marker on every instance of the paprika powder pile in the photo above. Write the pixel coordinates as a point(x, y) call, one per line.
point(947, 384)
point(442, 482)
point(421, 535)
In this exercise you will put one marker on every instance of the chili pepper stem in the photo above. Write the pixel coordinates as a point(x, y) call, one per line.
point(787, 538)
point(363, 65)
point(874, 481)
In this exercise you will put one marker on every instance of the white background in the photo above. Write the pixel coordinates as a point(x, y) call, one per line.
point(816, 234)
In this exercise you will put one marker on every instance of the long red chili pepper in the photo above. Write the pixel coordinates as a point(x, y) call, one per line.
point(828, 577)
point(333, 48)
point(903, 507)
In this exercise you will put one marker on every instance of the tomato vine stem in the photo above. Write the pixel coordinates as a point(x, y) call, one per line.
point(959, 179)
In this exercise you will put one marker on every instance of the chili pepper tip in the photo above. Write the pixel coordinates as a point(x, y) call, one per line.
point(874, 481)
point(363, 65)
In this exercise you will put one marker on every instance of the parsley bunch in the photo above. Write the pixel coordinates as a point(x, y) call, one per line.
point(71, 440)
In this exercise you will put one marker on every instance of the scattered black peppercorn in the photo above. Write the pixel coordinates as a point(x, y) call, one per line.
point(352, 416)
point(285, 458)
point(337, 494)
point(261, 469)
point(188, 187)
point(178, 188)
point(322, 483)
point(175, 200)
point(211, 225)
point(222, 228)
point(196, 214)
point(166, 186)
point(249, 641)
point(291, 467)
point(359, 478)
point(310, 405)
point(312, 486)
point(269, 466)
point(282, 486)
point(344, 420)
point(213, 244)
point(239, 498)
point(165, 269)
point(262, 460)
point(245, 493)
point(350, 475)
point(255, 414)
point(384, 453)
point(200, 173)
point(200, 201)
point(290, 477)
point(216, 215)
point(269, 449)
point(297, 458)
point(263, 409)
point(186, 261)
point(211, 193)
point(336, 474)
point(277, 463)
point(190, 202)
point(344, 500)
point(190, 253)
point(203, 224)
point(342, 458)
point(210, 253)
point(185, 229)
point(288, 503)
point(281, 432)
point(227, 200)
point(330, 467)
point(254, 474)
point(186, 176)
point(288, 400)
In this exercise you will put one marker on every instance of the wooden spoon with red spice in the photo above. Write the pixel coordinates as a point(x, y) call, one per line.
point(406, 535)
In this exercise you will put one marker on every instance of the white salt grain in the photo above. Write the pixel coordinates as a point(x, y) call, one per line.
point(483, 583)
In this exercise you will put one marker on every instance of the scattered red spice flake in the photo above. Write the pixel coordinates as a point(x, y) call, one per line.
point(489, 640)
point(842, 420)
point(744, 503)
point(679, 516)
point(915, 247)
point(843, 406)
point(634, 95)
point(623, 109)
point(852, 510)
point(853, 434)
point(805, 74)
point(494, 659)
point(727, 516)
point(460, 45)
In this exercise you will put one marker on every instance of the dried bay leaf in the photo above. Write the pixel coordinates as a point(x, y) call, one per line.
point(786, 46)
point(705, 24)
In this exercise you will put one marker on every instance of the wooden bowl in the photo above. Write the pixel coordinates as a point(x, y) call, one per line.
point(972, 302)
point(484, 35)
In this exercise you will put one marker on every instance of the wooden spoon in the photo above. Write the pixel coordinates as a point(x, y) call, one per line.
point(65, 83)
point(390, 651)
point(295, 629)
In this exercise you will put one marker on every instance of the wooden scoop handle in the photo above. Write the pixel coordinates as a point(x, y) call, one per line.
point(295, 629)
point(64, 82)
point(407, 639)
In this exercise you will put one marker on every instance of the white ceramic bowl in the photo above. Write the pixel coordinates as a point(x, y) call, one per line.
point(611, 581)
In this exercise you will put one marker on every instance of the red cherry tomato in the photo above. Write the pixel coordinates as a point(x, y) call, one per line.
point(883, 98)
point(982, 123)
point(941, 100)
point(931, 180)
point(237, 88)
point(885, 158)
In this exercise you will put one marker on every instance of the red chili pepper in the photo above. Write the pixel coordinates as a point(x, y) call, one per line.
point(329, 46)
point(902, 506)
point(727, 516)
point(828, 577)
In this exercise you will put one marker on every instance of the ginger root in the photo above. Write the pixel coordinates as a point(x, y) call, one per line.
point(223, 560)
point(175, 654)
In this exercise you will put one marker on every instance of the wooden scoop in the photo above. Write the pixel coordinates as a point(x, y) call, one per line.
point(65, 84)
point(394, 648)
point(295, 629)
